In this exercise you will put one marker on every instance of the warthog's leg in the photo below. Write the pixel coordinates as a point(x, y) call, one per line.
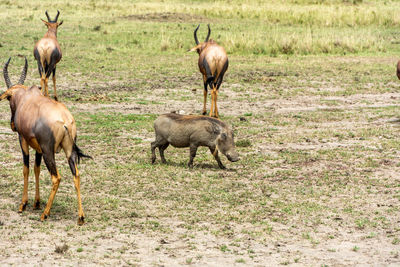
point(214, 151)
point(193, 150)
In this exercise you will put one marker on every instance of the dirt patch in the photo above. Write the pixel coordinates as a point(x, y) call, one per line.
point(167, 17)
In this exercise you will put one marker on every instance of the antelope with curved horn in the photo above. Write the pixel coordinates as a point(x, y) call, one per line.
point(213, 63)
point(47, 53)
point(46, 126)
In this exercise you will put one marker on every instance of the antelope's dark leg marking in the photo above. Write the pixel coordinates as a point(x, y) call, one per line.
point(37, 57)
point(221, 75)
point(55, 56)
point(210, 77)
point(38, 161)
point(193, 150)
point(46, 140)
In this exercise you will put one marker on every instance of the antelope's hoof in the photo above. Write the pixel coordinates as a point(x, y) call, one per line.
point(43, 217)
point(81, 220)
point(153, 160)
point(163, 161)
point(55, 98)
point(22, 207)
point(36, 206)
point(204, 112)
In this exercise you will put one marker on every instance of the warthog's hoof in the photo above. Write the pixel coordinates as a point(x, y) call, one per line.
point(81, 220)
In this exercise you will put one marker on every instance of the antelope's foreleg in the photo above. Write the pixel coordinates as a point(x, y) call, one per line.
point(38, 160)
point(73, 166)
point(25, 155)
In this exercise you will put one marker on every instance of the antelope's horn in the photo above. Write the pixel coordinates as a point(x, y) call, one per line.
point(48, 17)
point(58, 13)
point(23, 74)
point(5, 74)
point(209, 32)
point(195, 35)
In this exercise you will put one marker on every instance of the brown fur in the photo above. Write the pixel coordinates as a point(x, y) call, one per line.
point(48, 53)
point(215, 57)
point(47, 126)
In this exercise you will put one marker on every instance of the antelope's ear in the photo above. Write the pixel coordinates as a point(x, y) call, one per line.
point(195, 48)
point(45, 22)
point(59, 24)
point(6, 94)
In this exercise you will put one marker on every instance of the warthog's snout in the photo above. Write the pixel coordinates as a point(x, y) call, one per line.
point(233, 157)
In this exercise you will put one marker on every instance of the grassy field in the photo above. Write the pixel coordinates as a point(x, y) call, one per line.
point(311, 94)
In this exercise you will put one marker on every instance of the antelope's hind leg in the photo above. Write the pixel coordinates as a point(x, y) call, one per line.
point(215, 104)
point(38, 160)
point(71, 152)
point(72, 161)
point(55, 179)
point(25, 155)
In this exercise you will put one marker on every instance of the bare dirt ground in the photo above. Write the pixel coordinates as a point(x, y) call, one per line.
point(359, 225)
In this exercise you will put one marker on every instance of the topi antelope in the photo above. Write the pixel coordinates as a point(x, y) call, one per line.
point(46, 126)
point(213, 63)
point(398, 69)
point(47, 53)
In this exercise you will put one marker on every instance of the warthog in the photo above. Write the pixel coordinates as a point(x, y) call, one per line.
point(193, 131)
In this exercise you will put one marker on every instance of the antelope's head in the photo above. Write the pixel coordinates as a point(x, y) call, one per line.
point(11, 89)
point(200, 46)
point(52, 24)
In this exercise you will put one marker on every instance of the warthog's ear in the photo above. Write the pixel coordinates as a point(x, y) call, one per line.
point(213, 129)
point(223, 136)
